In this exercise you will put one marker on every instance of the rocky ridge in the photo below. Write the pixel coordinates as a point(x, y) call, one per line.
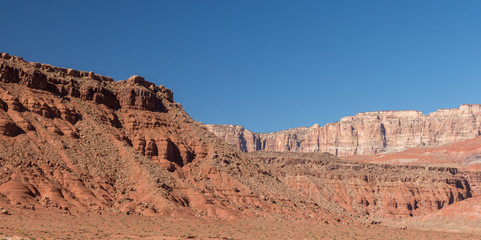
point(80, 142)
point(365, 133)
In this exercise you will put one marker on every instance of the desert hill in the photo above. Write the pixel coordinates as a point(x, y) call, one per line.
point(80, 142)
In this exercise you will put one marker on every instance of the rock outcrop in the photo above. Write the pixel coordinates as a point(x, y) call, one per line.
point(370, 191)
point(365, 133)
point(76, 141)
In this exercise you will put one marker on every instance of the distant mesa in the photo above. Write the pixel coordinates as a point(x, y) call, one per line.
point(365, 133)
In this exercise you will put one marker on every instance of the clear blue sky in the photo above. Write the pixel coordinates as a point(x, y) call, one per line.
point(266, 65)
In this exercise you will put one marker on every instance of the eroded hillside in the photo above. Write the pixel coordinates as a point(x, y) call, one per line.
point(369, 191)
point(76, 141)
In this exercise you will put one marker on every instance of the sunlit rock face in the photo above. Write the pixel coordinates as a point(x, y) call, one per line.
point(365, 133)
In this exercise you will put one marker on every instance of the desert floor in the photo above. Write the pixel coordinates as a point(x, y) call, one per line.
point(29, 224)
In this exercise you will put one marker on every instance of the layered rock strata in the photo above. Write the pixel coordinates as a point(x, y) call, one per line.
point(370, 191)
point(365, 133)
point(74, 141)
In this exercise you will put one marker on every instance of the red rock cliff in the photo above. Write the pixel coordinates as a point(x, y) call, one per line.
point(76, 141)
point(364, 133)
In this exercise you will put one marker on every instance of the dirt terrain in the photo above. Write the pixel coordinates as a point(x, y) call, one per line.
point(84, 156)
point(47, 225)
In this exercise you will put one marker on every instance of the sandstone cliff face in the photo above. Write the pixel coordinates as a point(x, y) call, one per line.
point(365, 133)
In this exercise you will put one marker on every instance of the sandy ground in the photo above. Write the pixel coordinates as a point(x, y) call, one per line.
point(29, 224)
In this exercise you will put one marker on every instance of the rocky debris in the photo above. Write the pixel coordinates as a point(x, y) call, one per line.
point(365, 133)
point(73, 72)
point(57, 70)
point(140, 81)
point(5, 55)
point(7, 125)
point(4, 211)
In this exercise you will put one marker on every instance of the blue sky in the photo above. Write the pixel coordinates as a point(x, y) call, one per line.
point(266, 65)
